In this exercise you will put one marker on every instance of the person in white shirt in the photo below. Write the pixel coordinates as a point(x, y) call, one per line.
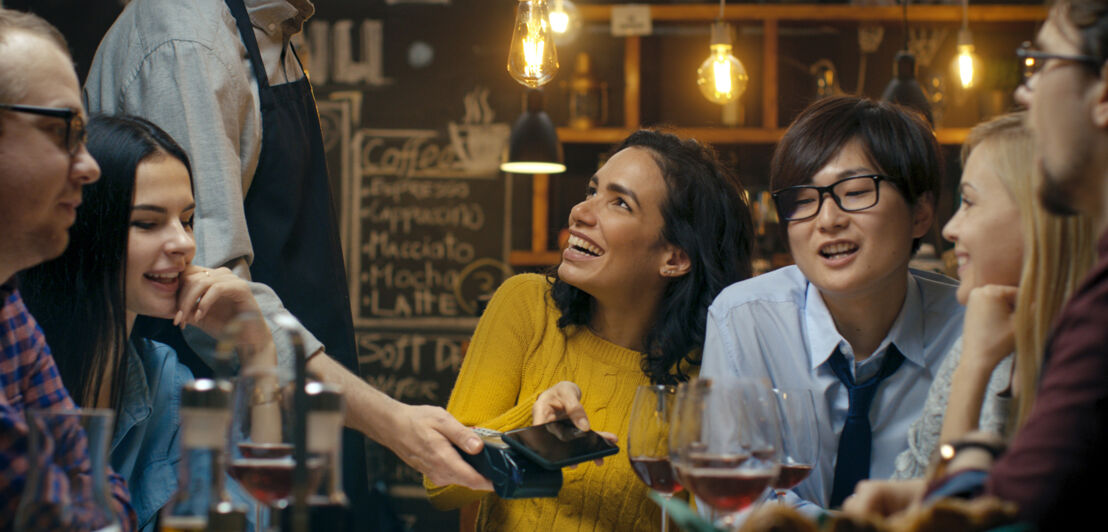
point(855, 184)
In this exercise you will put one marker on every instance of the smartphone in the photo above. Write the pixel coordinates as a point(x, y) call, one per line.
point(558, 444)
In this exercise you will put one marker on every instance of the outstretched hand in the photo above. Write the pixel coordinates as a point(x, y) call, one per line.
point(422, 439)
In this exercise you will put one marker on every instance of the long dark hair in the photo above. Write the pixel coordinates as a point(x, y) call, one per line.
point(706, 215)
point(78, 298)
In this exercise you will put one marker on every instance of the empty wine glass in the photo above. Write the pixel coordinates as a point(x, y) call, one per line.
point(727, 433)
point(799, 438)
point(69, 446)
point(648, 441)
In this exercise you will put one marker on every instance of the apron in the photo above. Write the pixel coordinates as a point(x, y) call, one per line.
point(295, 235)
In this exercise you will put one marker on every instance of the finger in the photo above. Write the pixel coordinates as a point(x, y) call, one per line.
point(571, 405)
point(612, 438)
point(194, 281)
point(458, 434)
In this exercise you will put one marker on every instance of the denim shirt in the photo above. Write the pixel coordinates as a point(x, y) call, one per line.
point(146, 447)
point(146, 444)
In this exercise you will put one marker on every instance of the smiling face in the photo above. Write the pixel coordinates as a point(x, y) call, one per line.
point(160, 242)
point(1060, 103)
point(854, 254)
point(40, 182)
point(986, 228)
point(615, 245)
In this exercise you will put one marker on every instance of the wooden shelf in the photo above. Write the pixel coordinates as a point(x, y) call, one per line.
point(824, 12)
point(534, 258)
point(716, 135)
point(769, 16)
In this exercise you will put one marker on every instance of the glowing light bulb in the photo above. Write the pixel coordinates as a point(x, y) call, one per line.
point(721, 77)
point(966, 64)
point(565, 21)
point(532, 60)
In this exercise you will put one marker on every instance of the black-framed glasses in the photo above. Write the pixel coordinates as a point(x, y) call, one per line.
point(855, 193)
point(75, 134)
point(1033, 61)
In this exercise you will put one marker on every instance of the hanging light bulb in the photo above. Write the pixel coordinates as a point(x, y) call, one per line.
point(721, 77)
point(532, 60)
point(966, 64)
point(565, 21)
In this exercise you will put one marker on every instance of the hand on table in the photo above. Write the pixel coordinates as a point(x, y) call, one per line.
point(884, 497)
point(564, 400)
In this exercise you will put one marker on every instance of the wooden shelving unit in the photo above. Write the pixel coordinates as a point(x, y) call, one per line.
point(770, 131)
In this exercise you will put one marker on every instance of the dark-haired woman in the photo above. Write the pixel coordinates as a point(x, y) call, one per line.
point(130, 253)
point(662, 229)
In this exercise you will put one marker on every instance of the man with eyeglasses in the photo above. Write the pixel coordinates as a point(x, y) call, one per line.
point(855, 184)
point(43, 165)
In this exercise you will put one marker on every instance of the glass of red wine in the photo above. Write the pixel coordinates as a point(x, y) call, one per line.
point(648, 441)
point(727, 435)
point(260, 441)
point(799, 438)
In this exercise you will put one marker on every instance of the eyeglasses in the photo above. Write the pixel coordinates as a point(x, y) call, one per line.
point(75, 134)
point(1033, 61)
point(856, 193)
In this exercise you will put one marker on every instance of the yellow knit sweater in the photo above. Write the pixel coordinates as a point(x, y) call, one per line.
point(517, 352)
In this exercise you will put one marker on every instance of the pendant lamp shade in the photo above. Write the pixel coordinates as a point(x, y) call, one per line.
point(533, 147)
point(904, 89)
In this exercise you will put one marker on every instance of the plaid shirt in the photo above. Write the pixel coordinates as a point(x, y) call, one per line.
point(29, 379)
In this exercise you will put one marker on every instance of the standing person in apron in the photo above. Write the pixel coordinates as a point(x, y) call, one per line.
point(216, 75)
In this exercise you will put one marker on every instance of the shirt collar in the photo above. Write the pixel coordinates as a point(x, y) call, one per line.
point(287, 16)
point(906, 332)
point(136, 400)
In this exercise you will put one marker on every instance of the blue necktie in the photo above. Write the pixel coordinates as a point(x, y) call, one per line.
point(856, 440)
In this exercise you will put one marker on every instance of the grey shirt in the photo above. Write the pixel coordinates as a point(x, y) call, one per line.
point(182, 65)
point(923, 434)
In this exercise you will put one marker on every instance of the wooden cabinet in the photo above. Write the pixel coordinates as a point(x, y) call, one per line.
point(770, 129)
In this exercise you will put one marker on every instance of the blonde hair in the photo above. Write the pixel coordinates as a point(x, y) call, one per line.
point(1058, 250)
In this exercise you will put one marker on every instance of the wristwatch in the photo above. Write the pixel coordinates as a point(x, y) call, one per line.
point(948, 451)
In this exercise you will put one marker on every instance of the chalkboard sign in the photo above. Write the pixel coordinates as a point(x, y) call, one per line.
point(424, 210)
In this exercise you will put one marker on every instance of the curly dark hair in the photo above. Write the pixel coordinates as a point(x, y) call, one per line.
point(706, 215)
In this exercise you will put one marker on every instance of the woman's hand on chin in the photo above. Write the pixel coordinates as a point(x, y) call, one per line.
point(210, 298)
point(987, 331)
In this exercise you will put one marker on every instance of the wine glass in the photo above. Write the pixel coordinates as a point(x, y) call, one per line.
point(799, 438)
point(727, 433)
point(76, 444)
point(648, 440)
point(261, 440)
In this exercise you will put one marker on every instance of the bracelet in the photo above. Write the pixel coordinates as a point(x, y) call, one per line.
point(264, 397)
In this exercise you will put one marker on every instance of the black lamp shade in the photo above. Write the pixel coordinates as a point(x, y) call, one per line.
point(904, 89)
point(533, 147)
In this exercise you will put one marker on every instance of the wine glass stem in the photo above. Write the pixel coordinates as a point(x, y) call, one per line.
point(665, 513)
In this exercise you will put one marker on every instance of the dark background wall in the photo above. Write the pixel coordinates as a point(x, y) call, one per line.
point(428, 221)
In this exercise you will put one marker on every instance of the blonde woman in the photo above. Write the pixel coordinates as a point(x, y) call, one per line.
point(1010, 302)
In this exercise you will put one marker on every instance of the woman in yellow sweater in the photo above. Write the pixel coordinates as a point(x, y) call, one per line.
point(662, 229)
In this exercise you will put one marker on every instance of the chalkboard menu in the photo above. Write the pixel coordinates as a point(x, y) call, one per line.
point(415, 110)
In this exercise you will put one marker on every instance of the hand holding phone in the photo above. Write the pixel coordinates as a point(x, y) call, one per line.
point(559, 444)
